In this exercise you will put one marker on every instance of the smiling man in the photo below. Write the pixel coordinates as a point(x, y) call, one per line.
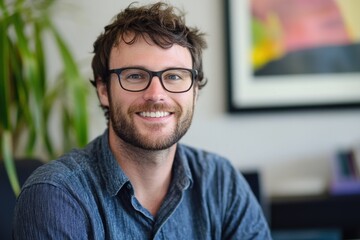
point(136, 181)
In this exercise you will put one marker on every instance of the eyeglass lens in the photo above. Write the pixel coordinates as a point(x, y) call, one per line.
point(173, 80)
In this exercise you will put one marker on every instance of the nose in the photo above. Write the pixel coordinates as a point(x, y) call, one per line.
point(155, 92)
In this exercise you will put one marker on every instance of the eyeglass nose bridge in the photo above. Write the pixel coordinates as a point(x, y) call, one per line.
point(153, 74)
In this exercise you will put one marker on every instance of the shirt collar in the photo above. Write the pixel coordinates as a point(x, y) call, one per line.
point(181, 169)
point(112, 174)
point(115, 178)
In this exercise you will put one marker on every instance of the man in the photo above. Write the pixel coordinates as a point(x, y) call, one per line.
point(135, 181)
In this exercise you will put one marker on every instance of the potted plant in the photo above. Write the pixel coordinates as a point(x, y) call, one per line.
point(28, 97)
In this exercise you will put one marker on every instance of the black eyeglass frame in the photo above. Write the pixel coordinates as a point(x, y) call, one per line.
point(117, 71)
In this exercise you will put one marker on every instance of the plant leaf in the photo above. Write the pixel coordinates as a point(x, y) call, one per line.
point(9, 161)
point(75, 87)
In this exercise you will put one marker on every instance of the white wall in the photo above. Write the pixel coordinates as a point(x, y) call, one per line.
point(284, 146)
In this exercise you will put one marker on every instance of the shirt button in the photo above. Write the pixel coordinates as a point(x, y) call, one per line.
point(128, 186)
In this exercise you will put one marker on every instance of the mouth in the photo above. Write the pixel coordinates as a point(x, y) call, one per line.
point(156, 114)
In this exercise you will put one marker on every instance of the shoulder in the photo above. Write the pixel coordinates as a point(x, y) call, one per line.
point(49, 205)
point(68, 165)
point(62, 194)
point(202, 157)
point(66, 171)
point(211, 170)
point(225, 191)
point(204, 162)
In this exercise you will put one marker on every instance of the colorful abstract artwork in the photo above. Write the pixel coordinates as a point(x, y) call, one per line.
point(293, 54)
point(305, 36)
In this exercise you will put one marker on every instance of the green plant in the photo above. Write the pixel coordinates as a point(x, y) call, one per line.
point(28, 97)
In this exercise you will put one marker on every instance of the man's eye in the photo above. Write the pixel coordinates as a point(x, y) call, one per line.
point(135, 76)
point(173, 77)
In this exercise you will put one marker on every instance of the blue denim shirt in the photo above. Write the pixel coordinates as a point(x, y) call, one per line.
point(86, 195)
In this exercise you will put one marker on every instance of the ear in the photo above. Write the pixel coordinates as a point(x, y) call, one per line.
point(102, 92)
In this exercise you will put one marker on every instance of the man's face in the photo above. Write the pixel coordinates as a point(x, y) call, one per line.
point(153, 119)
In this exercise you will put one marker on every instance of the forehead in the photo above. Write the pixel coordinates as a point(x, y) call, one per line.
point(142, 51)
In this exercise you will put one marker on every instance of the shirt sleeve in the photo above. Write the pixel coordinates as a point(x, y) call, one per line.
point(244, 218)
point(44, 211)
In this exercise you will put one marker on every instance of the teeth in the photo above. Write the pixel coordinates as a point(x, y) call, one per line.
point(154, 114)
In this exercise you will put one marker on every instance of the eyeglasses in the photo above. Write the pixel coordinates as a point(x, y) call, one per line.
point(174, 80)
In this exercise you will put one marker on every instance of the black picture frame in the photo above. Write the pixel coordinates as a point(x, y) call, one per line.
point(249, 93)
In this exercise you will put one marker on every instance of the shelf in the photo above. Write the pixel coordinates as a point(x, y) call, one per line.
point(321, 212)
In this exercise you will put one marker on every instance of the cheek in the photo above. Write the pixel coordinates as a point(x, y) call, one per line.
point(121, 99)
point(187, 101)
point(115, 95)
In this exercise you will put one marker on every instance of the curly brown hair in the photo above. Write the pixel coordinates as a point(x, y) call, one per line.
point(162, 23)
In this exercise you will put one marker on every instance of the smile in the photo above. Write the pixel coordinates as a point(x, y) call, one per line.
point(157, 114)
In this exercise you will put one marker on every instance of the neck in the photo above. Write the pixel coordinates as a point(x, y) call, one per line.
point(149, 171)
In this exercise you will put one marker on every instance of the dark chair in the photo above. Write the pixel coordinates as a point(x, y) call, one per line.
point(253, 179)
point(7, 197)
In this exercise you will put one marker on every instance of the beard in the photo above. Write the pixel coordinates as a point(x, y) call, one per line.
point(124, 126)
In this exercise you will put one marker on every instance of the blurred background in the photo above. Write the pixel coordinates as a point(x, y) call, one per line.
point(293, 151)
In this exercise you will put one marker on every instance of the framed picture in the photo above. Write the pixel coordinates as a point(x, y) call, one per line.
point(293, 54)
